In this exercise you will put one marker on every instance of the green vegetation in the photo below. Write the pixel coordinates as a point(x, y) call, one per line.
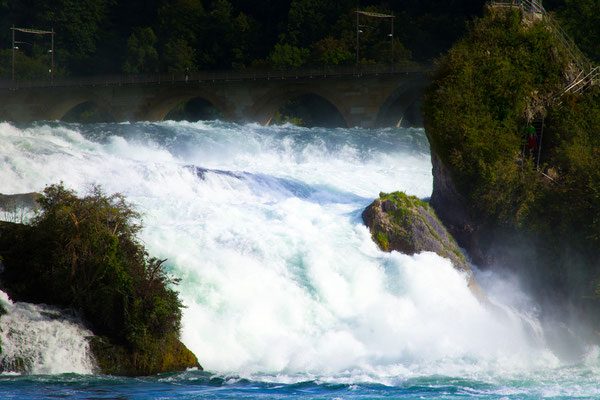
point(475, 114)
point(382, 241)
point(82, 253)
point(141, 36)
point(145, 36)
point(581, 19)
point(476, 110)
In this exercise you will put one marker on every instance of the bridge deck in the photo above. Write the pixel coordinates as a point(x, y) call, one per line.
point(221, 76)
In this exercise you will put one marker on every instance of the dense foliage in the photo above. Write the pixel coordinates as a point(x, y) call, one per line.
point(144, 36)
point(476, 110)
point(488, 86)
point(82, 253)
point(581, 19)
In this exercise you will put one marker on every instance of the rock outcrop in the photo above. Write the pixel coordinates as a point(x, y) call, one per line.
point(173, 356)
point(409, 225)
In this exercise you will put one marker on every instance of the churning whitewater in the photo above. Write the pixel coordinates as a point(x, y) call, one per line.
point(280, 278)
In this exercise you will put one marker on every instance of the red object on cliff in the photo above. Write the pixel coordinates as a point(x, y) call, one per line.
point(532, 143)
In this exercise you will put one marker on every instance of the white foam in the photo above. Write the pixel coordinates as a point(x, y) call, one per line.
point(278, 274)
point(39, 339)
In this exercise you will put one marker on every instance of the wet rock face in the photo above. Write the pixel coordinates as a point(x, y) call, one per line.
point(451, 208)
point(409, 225)
point(171, 356)
point(16, 207)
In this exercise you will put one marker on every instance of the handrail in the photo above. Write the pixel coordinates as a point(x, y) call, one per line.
point(533, 7)
point(586, 68)
point(228, 75)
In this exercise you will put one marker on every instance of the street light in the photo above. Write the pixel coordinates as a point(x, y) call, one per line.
point(372, 15)
point(33, 32)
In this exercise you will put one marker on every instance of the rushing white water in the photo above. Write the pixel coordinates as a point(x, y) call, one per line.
point(279, 276)
point(42, 340)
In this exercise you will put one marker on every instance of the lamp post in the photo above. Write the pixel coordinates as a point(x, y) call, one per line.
point(357, 33)
point(13, 53)
point(372, 15)
point(52, 62)
point(392, 35)
point(33, 32)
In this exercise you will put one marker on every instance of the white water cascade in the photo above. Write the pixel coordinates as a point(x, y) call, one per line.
point(40, 339)
point(279, 276)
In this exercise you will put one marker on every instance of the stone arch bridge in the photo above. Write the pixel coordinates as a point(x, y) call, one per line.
point(365, 96)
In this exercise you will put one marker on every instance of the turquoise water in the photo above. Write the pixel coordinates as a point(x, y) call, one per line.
point(582, 384)
point(286, 294)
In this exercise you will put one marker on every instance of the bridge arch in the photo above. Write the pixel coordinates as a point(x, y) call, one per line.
point(168, 100)
point(88, 112)
point(266, 108)
point(403, 106)
point(195, 109)
point(62, 106)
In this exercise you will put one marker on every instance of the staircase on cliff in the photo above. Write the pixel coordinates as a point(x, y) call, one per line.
point(582, 74)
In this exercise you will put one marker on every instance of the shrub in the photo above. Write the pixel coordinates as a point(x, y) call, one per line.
point(82, 253)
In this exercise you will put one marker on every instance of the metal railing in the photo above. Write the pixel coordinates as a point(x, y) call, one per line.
point(534, 8)
point(580, 83)
point(225, 76)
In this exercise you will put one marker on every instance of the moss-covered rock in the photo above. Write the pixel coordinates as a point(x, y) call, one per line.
point(170, 356)
point(409, 225)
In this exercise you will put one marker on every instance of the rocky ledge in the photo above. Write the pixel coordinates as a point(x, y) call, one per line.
point(172, 356)
point(409, 225)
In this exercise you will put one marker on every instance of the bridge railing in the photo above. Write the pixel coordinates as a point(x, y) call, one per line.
point(224, 76)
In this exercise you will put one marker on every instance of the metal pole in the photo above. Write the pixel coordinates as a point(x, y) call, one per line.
point(539, 153)
point(13, 53)
point(52, 65)
point(392, 40)
point(357, 43)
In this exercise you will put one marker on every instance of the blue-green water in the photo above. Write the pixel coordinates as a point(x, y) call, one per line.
point(286, 294)
point(573, 383)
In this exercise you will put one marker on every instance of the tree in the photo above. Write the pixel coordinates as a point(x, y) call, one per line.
point(182, 20)
point(179, 56)
point(78, 24)
point(142, 56)
point(581, 19)
point(330, 51)
point(286, 55)
point(83, 253)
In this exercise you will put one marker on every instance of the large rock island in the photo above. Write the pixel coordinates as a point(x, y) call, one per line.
point(82, 254)
point(531, 208)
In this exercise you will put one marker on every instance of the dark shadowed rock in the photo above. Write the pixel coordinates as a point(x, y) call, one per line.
point(13, 202)
point(451, 208)
point(172, 356)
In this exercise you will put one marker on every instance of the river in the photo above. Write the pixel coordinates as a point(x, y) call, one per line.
point(286, 294)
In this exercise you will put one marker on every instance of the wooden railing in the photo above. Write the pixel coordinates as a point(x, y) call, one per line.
point(225, 76)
